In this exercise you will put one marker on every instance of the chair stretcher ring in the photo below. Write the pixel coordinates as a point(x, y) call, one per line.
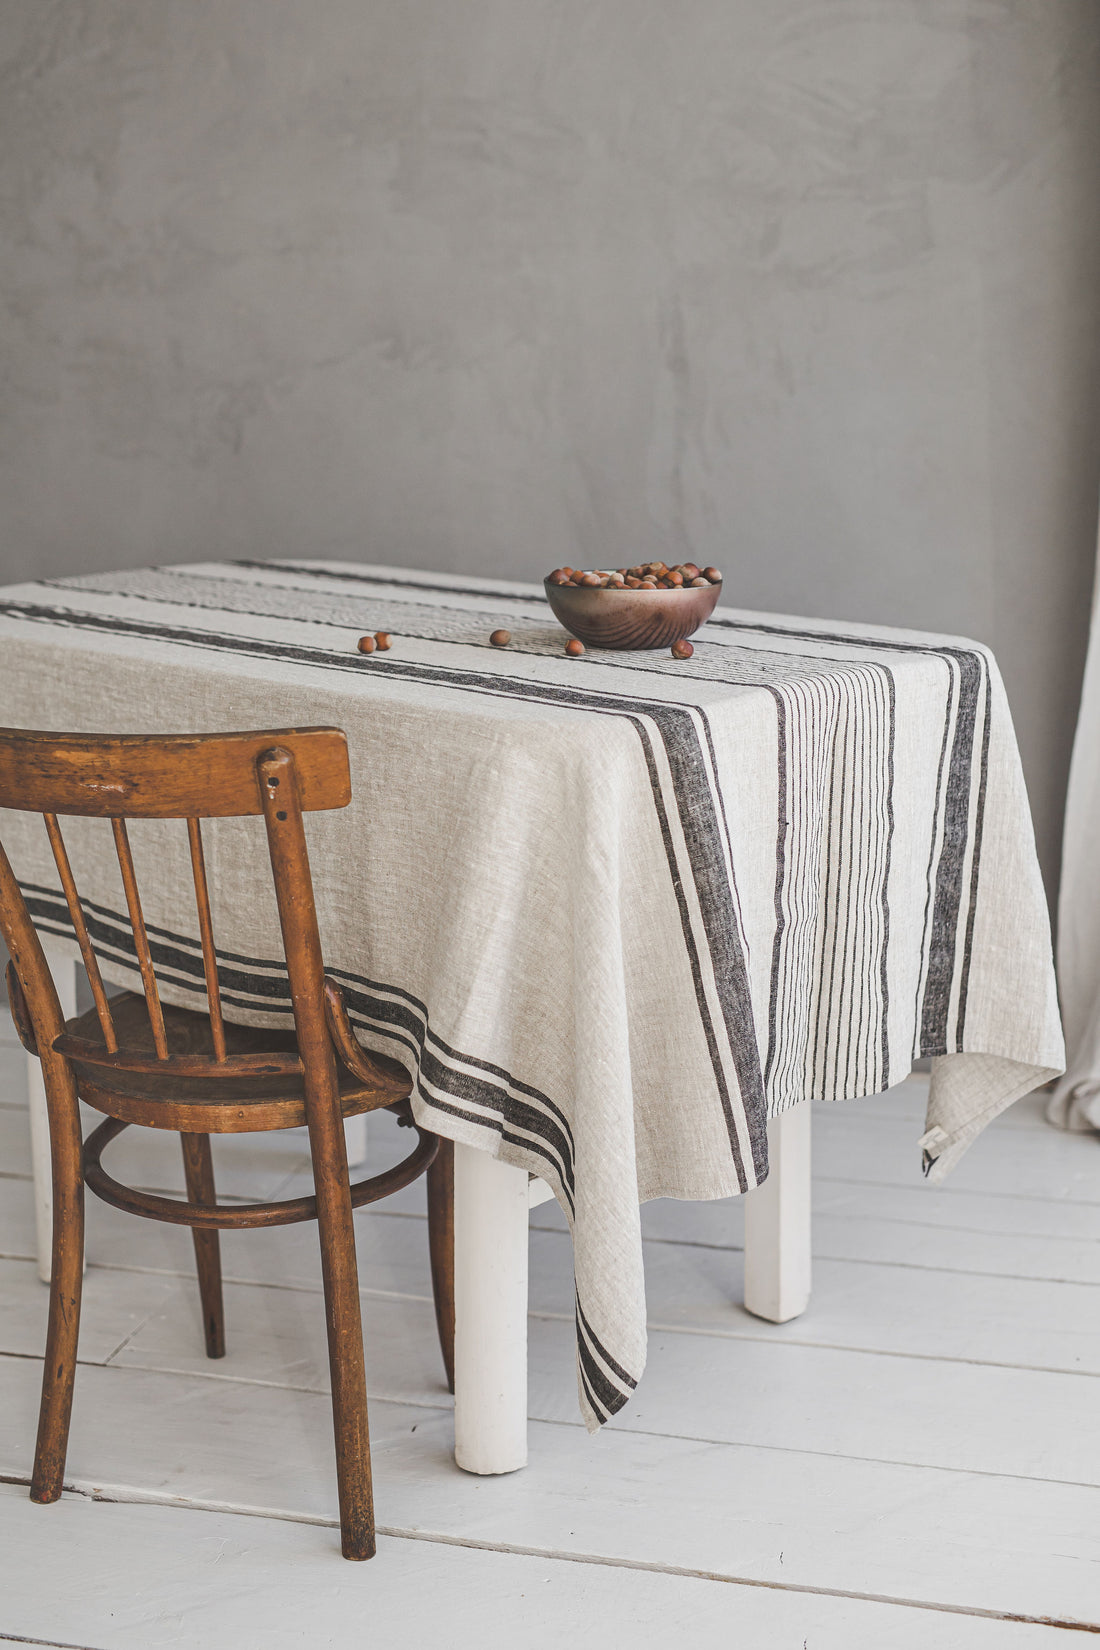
point(178, 1212)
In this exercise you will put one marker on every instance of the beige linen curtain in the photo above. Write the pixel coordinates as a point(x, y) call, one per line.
point(1075, 1103)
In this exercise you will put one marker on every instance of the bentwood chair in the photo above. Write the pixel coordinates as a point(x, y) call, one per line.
point(142, 1061)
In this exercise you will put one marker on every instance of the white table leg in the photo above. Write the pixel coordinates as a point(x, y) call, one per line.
point(63, 970)
point(491, 1209)
point(355, 1140)
point(777, 1223)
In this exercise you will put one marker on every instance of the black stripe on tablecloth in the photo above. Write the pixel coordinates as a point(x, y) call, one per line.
point(832, 814)
point(930, 879)
point(388, 581)
point(695, 804)
point(616, 1369)
point(944, 941)
point(979, 825)
point(600, 1374)
point(258, 983)
point(780, 880)
point(888, 848)
point(607, 1385)
point(974, 677)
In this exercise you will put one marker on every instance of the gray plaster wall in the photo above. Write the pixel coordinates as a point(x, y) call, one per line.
point(808, 290)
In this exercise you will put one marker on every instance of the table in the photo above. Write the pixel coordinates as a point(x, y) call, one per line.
point(622, 916)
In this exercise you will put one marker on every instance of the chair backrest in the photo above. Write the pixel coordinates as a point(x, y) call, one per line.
point(280, 774)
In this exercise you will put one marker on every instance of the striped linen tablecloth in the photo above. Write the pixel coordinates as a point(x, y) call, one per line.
point(611, 912)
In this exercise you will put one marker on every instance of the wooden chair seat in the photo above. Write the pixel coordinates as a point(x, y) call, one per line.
point(193, 1092)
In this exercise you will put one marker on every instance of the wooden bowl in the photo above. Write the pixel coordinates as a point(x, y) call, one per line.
point(631, 618)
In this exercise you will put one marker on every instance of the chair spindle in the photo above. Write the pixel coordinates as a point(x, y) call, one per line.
point(76, 912)
point(141, 939)
point(206, 933)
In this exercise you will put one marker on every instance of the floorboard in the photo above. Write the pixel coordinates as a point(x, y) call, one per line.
point(779, 1516)
point(142, 1575)
point(912, 1462)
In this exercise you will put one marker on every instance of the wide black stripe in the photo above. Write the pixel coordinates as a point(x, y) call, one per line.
point(610, 1399)
point(602, 1415)
point(943, 944)
point(110, 933)
point(782, 835)
point(926, 934)
point(513, 1113)
point(975, 862)
point(126, 587)
point(821, 710)
point(718, 791)
point(884, 973)
point(692, 950)
point(189, 948)
point(699, 824)
point(591, 1400)
point(840, 860)
point(616, 1368)
point(314, 572)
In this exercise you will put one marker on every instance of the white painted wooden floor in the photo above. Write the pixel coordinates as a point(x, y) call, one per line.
point(912, 1464)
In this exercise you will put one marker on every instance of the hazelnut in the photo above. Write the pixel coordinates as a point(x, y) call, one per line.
point(382, 640)
point(700, 583)
point(591, 580)
point(501, 638)
point(632, 583)
point(366, 644)
point(682, 649)
point(712, 575)
point(574, 648)
point(558, 576)
point(675, 578)
point(690, 571)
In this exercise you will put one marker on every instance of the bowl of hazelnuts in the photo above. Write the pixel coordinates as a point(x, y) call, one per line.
point(646, 606)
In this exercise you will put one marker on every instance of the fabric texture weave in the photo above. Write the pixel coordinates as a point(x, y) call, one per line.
point(610, 912)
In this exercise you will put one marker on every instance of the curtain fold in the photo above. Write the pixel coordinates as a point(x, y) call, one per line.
point(1075, 1103)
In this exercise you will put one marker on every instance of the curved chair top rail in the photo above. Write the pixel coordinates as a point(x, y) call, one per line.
point(279, 773)
point(165, 776)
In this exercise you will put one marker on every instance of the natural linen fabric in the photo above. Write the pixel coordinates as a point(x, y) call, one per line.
point(610, 912)
point(1075, 1103)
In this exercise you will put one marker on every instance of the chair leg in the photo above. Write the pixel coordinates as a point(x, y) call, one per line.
point(198, 1166)
point(441, 1245)
point(347, 1368)
point(66, 1279)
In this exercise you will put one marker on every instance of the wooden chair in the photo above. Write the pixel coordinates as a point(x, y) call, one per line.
point(141, 1061)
